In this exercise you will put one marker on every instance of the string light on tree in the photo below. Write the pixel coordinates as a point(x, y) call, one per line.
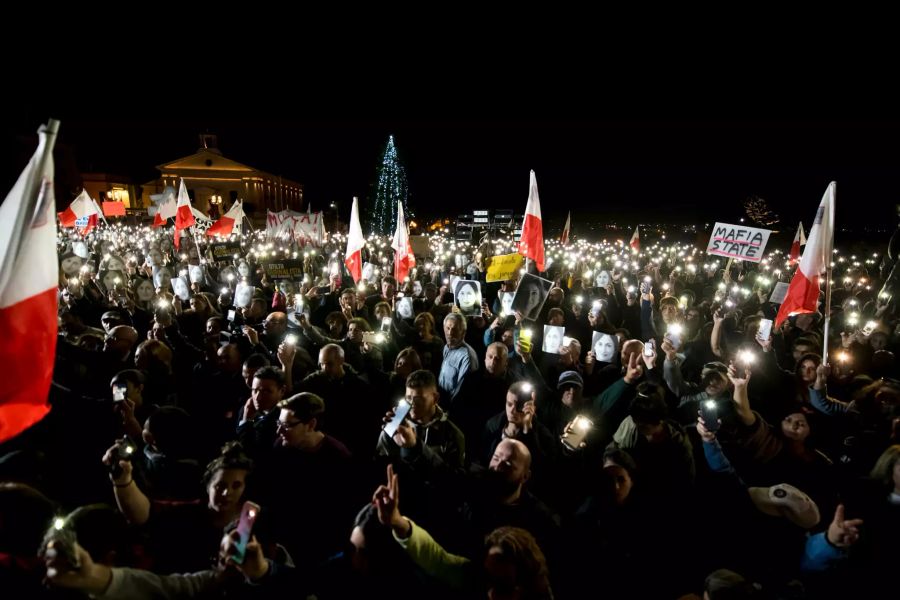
point(390, 189)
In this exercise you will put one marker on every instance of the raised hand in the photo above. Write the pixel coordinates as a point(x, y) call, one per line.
point(387, 504)
point(736, 380)
point(635, 370)
point(843, 533)
point(405, 437)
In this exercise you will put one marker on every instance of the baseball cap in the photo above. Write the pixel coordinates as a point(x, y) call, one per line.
point(784, 500)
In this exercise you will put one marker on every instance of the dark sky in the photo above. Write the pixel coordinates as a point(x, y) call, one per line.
point(691, 172)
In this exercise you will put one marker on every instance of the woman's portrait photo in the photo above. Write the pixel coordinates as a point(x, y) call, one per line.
point(506, 300)
point(467, 296)
point(553, 338)
point(530, 296)
point(143, 291)
point(602, 279)
point(604, 346)
point(162, 279)
point(181, 288)
point(243, 293)
point(70, 264)
point(196, 273)
point(405, 308)
point(112, 279)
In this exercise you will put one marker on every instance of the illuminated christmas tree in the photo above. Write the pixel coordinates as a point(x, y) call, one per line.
point(390, 189)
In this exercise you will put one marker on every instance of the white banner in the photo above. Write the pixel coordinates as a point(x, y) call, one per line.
point(305, 228)
point(738, 241)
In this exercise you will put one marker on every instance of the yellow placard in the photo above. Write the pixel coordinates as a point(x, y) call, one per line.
point(503, 267)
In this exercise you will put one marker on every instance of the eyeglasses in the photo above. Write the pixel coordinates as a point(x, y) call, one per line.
point(716, 367)
point(285, 425)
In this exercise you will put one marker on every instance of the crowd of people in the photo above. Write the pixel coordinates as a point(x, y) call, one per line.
point(670, 443)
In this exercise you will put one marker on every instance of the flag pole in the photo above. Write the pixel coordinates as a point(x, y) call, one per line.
point(828, 269)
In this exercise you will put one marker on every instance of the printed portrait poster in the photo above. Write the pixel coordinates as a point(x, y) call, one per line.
point(467, 297)
point(531, 293)
point(605, 346)
point(405, 308)
point(553, 338)
point(243, 294)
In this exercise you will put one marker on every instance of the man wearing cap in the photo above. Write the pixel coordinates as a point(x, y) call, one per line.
point(714, 385)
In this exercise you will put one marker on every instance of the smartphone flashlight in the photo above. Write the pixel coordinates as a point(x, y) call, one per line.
point(163, 303)
point(747, 357)
point(674, 329)
point(843, 357)
point(579, 299)
point(379, 338)
point(583, 423)
point(290, 339)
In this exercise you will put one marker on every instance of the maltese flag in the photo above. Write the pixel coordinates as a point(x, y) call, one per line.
point(184, 217)
point(635, 242)
point(228, 223)
point(799, 240)
point(404, 259)
point(531, 244)
point(803, 293)
point(165, 211)
point(82, 213)
point(28, 279)
point(355, 244)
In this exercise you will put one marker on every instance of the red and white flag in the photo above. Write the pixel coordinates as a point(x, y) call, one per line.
point(184, 217)
point(355, 244)
point(167, 209)
point(82, 213)
point(404, 259)
point(531, 244)
point(635, 242)
point(803, 293)
point(230, 222)
point(799, 240)
point(564, 239)
point(28, 279)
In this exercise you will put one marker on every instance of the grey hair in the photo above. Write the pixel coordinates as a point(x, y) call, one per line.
point(457, 317)
point(336, 348)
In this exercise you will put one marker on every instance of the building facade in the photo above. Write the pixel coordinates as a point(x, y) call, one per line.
point(215, 182)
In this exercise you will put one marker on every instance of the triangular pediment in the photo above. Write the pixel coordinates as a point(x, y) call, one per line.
point(205, 160)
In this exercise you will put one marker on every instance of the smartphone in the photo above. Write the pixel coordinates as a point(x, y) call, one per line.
point(370, 337)
point(649, 348)
point(765, 329)
point(525, 397)
point(323, 289)
point(400, 413)
point(572, 439)
point(244, 529)
point(673, 332)
point(709, 412)
point(231, 315)
point(525, 339)
point(386, 324)
point(62, 535)
point(119, 391)
point(124, 450)
point(869, 328)
point(646, 287)
point(596, 307)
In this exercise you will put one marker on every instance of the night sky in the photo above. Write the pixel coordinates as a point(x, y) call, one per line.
point(683, 172)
